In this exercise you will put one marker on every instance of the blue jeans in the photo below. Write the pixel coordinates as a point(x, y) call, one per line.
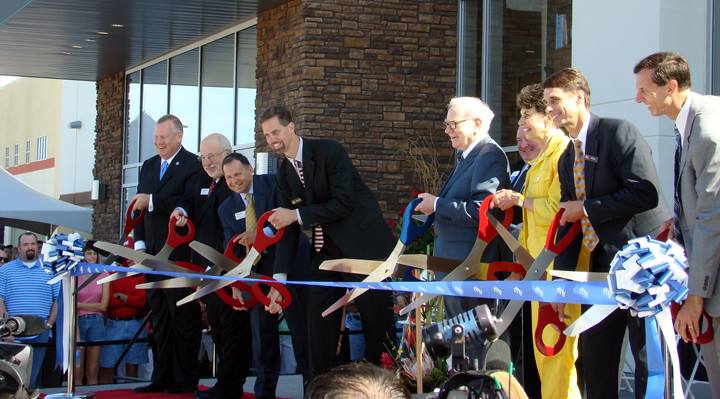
point(38, 355)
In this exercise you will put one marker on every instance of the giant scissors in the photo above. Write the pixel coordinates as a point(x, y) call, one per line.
point(244, 268)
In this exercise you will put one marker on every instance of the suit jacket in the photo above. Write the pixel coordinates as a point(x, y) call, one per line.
point(165, 195)
point(483, 172)
point(622, 190)
point(699, 189)
point(233, 222)
point(335, 197)
point(202, 209)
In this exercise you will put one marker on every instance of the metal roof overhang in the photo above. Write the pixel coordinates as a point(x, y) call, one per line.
point(40, 38)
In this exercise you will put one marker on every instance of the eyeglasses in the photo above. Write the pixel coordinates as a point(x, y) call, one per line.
point(210, 157)
point(454, 124)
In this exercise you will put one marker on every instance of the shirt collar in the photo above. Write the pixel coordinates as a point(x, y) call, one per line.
point(298, 157)
point(169, 160)
point(582, 136)
point(681, 120)
point(27, 264)
point(249, 191)
point(472, 146)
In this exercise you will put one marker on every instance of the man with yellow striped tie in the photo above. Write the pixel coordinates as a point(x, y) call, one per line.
point(608, 182)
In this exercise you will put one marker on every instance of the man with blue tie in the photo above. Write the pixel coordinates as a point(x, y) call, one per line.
point(252, 195)
point(482, 169)
point(663, 84)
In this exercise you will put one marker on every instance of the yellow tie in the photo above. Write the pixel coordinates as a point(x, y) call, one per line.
point(590, 239)
point(250, 217)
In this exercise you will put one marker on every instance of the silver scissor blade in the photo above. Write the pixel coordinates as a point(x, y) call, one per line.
point(178, 282)
point(521, 254)
point(356, 266)
point(122, 251)
point(423, 299)
point(211, 254)
point(508, 315)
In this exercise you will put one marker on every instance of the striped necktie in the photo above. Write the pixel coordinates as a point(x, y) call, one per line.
point(250, 215)
point(317, 233)
point(590, 239)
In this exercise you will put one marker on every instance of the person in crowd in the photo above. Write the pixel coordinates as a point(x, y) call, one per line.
point(608, 183)
point(320, 189)
point(9, 253)
point(541, 144)
point(356, 380)
point(663, 84)
point(24, 291)
point(92, 302)
point(482, 168)
point(125, 313)
point(253, 195)
point(230, 329)
point(176, 329)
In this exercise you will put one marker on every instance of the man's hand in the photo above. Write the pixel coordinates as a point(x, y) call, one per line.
point(282, 217)
point(180, 217)
point(559, 309)
point(427, 205)
point(688, 318)
point(246, 238)
point(237, 294)
point(142, 202)
point(574, 211)
point(275, 299)
point(506, 199)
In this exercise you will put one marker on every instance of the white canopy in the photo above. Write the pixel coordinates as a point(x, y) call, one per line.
point(23, 207)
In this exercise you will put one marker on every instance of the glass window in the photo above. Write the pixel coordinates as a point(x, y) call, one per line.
point(132, 130)
point(185, 95)
point(7, 157)
point(505, 45)
point(247, 53)
point(41, 150)
point(127, 194)
point(154, 105)
point(27, 151)
point(217, 87)
point(16, 154)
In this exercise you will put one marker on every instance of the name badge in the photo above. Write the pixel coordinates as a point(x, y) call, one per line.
point(239, 215)
point(204, 191)
point(591, 158)
point(295, 201)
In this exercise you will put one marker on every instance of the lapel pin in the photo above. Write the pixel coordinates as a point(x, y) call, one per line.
point(177, 163)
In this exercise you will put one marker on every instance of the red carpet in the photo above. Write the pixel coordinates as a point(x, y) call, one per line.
point(128, 394)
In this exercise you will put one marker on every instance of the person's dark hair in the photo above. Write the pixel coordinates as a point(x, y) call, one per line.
point(174, 120)
point(234, 156)
point(571, 81)
point(666, 66)
point(27, 233)
point(283, 114)
point(360, 380)
point(531, 97)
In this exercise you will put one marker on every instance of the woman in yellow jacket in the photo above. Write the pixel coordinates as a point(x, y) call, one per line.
point(539, 202)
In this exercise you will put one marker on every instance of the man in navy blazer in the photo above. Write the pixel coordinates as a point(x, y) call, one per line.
point(176, 329)
point(265, 337)
point(481, 170)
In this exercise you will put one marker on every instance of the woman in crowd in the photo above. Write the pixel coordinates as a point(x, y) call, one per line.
point(92, 301)
point(539, 201)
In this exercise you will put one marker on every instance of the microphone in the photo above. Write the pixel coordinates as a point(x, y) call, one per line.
point(478, 325)
point(22, 326)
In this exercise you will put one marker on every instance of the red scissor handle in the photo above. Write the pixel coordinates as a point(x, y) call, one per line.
point(130, 221)
point(281, 288)
point(705, 337)
point(176, 239)
point(486, 231)
point(262, 240)
point(552, 233)
point(507, 267)
point(230, 249)
point(548, 317)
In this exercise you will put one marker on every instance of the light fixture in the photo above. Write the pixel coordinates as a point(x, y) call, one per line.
point(76, 46)
point(101, 32)
point(117, 25)
point(89, 40)
point(65, 52)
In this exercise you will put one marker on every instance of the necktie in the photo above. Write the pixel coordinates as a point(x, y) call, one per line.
point(590, 239)
point(212, 188)
point(518, 184)
point(250, 216)
point(163, 168)
point(677, 205)
point(317, 234)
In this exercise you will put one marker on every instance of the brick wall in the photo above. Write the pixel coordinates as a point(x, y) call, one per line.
point(374, 75)
point(108, 159)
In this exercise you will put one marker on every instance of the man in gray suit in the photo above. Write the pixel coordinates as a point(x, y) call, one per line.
point(481, 170)
point(663, 84)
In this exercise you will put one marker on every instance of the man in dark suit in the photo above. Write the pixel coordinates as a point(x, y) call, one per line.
point(230, 328)
point(481, 170)
point(320, 189)
point(176, 330)
point(253, 195)
point(663, 84)
point(608, 182)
